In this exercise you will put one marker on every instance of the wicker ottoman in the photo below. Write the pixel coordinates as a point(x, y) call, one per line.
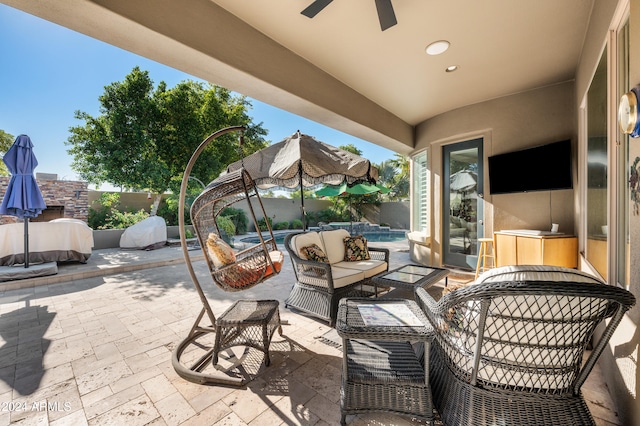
point(385, 376)
point(247, 323)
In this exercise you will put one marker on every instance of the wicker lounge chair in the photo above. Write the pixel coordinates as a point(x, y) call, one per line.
point(509, 349)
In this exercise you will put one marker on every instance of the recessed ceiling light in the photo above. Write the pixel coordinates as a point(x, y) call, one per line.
point(437, 47)
point(451, 68)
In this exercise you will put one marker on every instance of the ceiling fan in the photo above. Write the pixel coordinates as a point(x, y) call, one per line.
point(386, 15)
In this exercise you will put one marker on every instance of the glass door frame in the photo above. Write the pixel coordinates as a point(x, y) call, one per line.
point(448, 257)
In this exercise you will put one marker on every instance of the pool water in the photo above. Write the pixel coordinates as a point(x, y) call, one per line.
point(372, 237)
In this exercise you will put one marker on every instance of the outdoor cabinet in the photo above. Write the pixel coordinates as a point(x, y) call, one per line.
point(512, 248)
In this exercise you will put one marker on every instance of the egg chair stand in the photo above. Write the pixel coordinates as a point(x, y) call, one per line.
point(249, 323)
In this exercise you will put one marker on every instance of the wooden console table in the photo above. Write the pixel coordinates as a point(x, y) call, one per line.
point(514, 248)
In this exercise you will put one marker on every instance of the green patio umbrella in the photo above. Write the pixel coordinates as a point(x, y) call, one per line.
point(357, 189)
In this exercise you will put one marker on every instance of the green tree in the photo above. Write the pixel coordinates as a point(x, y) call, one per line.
point(402, 179)
point(394, 174)
point(144, 137)
point(6, 140)
point(351, 148)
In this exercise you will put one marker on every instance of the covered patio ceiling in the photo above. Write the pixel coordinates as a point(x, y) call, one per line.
point(339, 68)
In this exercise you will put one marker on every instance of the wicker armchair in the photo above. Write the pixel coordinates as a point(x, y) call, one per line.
point(320, 286)
point(509, 349)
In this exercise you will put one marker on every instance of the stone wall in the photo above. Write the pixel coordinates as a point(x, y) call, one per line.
point(64, 198)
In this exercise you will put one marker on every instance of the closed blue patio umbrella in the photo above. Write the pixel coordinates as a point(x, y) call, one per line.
point(23, 198)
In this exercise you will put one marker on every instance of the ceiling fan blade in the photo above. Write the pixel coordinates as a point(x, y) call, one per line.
point(316, 7)
point(386, 15)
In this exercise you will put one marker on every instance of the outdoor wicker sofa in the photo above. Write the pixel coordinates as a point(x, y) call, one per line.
point(320, 285)
point(509, 349)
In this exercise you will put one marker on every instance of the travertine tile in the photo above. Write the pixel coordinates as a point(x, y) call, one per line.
point(230, 419)
point(97, 395)
point(325, 409)
point(77, 418)
point(248, 405)
point(210, 415)
point(135, 412)
point(289, 411)
point(211, 396)
point(108, 403)
point(102, 376)
point(158, 387)
point(174, 409)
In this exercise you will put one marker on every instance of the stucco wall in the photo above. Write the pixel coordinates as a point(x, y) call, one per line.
point(507, 124)
point(128, 200)
point(396, 214)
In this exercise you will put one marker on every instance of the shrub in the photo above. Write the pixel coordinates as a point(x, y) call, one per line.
point(262, 224)
point(122, 220)
point(331, 215)
point(239, 218)
point(170, 215)
point(169, 207)
point(281, 225)
point(227, 228)
point(296, 224)
point(107, 216)
point(98, 217)
point(188, 233)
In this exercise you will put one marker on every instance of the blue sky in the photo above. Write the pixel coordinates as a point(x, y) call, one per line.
point(48, 72)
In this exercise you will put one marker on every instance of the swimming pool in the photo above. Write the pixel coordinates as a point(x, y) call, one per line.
point(372, 237)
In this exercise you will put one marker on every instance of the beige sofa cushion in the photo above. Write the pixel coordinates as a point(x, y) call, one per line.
point(341, 277)
point(305, 240)
point(370, 267)
point(334, 244)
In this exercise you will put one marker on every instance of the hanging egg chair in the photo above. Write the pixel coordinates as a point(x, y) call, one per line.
point(230, 271)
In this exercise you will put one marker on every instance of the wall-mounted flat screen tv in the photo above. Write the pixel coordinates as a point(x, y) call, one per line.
point(542, 168)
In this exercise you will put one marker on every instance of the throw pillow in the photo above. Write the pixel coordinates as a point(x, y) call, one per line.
point(219, 251)
point(355, 248)
point(315, 253)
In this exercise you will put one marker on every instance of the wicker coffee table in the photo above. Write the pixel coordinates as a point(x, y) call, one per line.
point(381, 370)
point(410, 276)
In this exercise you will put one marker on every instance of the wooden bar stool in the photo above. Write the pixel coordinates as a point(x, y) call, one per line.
point(485, 253)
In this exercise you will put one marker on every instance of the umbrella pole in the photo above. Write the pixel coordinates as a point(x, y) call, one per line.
point(304, 216)
point(350, 217)
point(26, 242)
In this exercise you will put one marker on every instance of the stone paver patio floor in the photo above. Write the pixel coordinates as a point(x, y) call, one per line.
point(96, 349)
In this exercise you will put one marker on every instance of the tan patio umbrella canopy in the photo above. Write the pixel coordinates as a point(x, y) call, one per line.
point(302, 157)
point(301, 161)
